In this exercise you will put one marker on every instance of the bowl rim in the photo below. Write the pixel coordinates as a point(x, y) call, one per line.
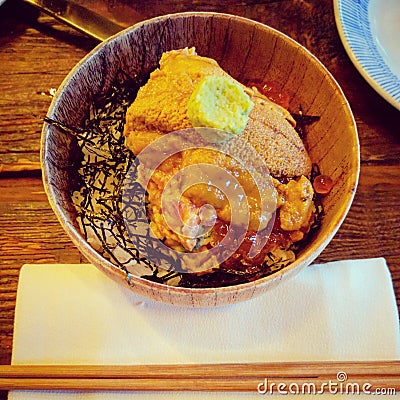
point(317, 245)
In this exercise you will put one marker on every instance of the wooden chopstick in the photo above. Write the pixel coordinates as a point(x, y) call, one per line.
point(242, 377)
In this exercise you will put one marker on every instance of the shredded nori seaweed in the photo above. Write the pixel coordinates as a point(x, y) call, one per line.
point(302, 121)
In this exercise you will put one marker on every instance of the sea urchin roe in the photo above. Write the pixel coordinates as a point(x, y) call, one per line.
point(323, 184)
point(224, 196)
point(296, 201)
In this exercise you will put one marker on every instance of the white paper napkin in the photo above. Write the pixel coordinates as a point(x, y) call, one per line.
point(74, 314)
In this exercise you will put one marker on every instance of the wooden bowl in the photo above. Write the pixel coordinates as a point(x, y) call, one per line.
point(247, 50)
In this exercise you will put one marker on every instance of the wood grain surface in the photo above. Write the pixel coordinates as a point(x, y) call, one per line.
point(36, 53)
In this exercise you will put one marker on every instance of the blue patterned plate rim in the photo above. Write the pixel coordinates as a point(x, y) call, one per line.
point(355, 32)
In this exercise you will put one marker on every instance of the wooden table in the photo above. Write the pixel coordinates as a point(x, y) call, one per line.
point(36, 53)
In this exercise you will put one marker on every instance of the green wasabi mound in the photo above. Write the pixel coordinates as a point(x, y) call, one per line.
point(219, 102)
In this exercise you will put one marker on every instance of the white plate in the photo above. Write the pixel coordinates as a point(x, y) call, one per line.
point(370, 32)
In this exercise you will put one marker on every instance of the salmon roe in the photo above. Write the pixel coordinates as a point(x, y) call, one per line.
point(323, 184)
point(272, 91)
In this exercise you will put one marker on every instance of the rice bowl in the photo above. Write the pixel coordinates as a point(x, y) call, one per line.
point(271, 56)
